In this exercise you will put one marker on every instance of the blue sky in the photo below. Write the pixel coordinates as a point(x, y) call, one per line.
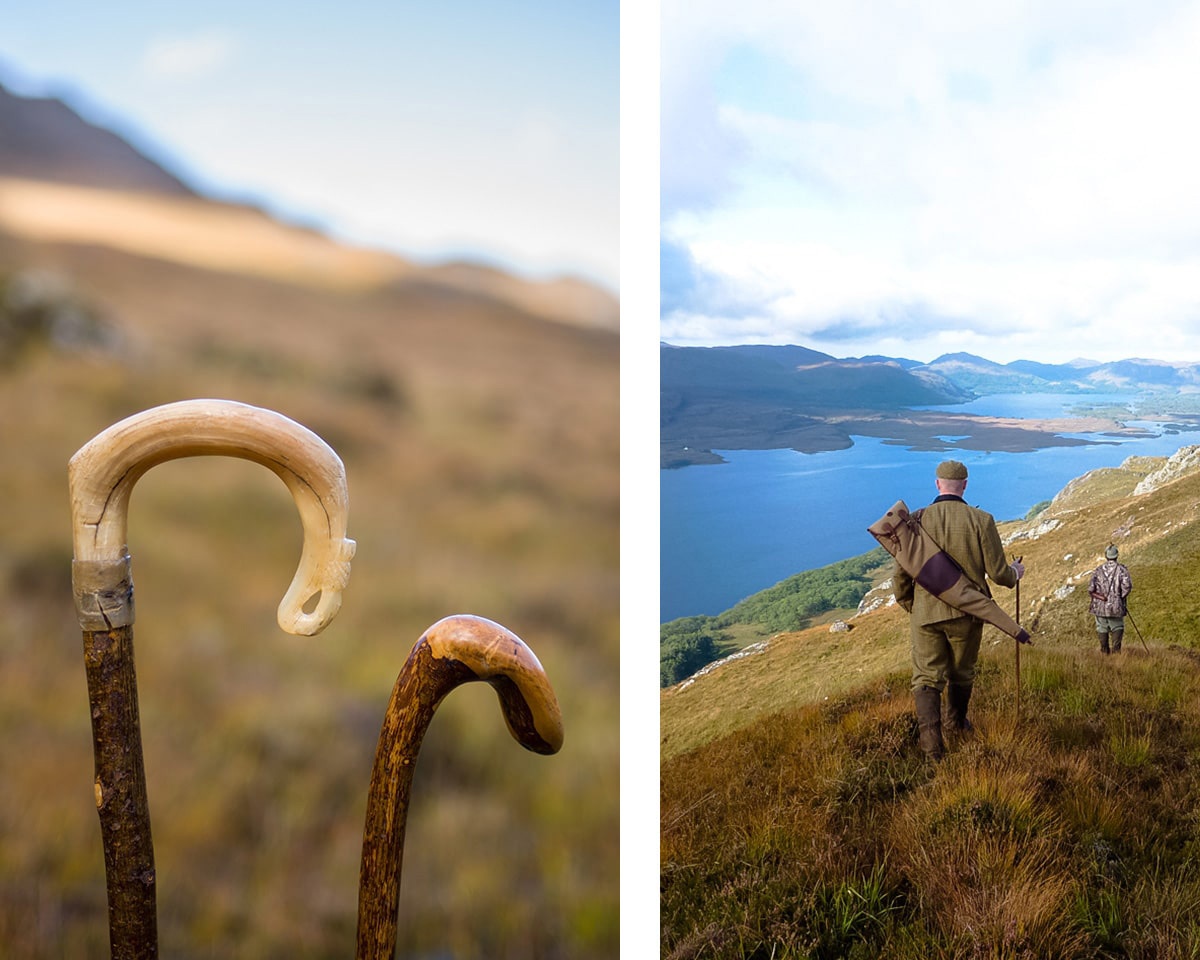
point(459, 128)
point(1019, 180)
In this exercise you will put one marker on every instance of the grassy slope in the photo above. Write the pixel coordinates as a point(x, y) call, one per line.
point(811, 826)
point(481, 447)
point(812, 664)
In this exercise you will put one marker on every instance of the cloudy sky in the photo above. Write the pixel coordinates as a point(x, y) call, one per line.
point(462, 127)
point(1019, 180)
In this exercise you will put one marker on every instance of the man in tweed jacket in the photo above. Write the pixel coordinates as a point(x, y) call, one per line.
point(945, 642)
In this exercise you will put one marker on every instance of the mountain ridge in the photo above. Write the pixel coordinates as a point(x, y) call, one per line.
point(789, 396)
point(46, 139)
point(66, 180)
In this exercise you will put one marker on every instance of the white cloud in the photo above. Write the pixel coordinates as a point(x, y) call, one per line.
point(187, 57)
point(1011, 171)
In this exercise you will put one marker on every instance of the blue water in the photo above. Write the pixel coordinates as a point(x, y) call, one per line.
point(1038, 405)
point(729, 530)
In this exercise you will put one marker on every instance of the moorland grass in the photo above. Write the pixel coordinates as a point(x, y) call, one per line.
point(821, 832)
point(481, 450)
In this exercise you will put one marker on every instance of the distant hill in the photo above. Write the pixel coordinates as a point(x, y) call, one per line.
point(1074, 372)
point(1139, 373)
point(794, 374)
point(1079, 376)
point(63, 179)
point(902, 362)
point(759, 397)
point(983, 376)
point(42, 138)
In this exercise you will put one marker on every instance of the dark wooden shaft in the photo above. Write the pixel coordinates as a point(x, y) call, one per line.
point(422, 684)
point(121, 794)
point(1018, 653)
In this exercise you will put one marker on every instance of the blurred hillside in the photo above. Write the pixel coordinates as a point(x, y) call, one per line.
point(477, 417)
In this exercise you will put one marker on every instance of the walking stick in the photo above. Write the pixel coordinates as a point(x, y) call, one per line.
point(1017, 644)
point(102, 475)
point(453, 651)
point(1135, 627)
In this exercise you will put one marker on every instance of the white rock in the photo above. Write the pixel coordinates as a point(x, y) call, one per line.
point(1182, 461)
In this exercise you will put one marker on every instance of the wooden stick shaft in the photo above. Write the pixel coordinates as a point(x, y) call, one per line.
point(455, 650)
point(422, 684)
point(120, 787)
point(1017, 645)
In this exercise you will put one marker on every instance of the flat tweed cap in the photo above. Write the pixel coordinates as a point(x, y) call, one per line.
point(952, 470)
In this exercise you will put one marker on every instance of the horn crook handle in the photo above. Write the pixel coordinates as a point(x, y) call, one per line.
point(455, 650)
point(103, 472)
point(101, 477)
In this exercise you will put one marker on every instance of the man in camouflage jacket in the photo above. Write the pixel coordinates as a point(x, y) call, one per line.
point(1109, 587)
point(945, 642)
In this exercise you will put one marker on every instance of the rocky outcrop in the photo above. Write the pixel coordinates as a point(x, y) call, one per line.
point(749, 651)
point(876, 597)
point(1034, 530)
point(1182, 461)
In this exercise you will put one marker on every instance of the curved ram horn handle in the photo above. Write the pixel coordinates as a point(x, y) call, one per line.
point(497, 655)
point(103, 471)
point(455, 650)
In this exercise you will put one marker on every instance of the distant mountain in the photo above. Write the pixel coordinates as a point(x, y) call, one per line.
point(1075, 371)
point(63, 179)
point(768, 397)
point(798, 375)
point(965, 360)
point(42, 138)
point(901, 362)
point(762, 397)
point(984, 376)
point(1079, 376)
point(1146, 374)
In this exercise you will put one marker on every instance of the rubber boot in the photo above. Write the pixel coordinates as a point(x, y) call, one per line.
point(928, 702)
point(958, 695)
point(1103, 642)
point(1117, 636)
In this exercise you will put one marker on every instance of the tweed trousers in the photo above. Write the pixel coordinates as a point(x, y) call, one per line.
point(945, 651)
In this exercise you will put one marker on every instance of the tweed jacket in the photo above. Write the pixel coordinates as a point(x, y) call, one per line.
point(970, 536)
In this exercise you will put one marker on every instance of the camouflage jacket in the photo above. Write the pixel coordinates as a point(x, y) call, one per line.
point(1109, 587)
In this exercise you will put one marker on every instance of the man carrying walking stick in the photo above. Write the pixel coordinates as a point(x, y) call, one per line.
point(945, 640)
point(1109, 586)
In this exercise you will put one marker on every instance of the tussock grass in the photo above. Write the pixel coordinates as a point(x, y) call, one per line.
point(481, 450)
point(1067, 832)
